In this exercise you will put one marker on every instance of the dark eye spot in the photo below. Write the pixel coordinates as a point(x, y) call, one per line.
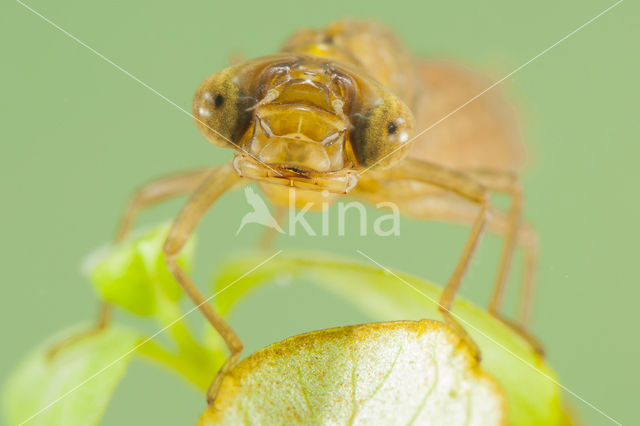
point(218, 101)
point(391, 127)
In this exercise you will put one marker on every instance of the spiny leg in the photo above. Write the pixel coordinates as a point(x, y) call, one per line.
point(209, 191)
point(148, 195)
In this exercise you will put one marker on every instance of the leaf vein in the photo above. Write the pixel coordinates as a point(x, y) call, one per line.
point(431, 389)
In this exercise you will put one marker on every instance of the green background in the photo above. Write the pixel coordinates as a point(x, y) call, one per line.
point(78, 136)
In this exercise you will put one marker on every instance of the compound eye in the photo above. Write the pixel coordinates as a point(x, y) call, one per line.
point(221, 110)
point(380, 134)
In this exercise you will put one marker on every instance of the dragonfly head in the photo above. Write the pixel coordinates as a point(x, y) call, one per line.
point(303, 114)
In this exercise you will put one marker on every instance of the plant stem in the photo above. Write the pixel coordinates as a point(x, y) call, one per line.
point(192, 360)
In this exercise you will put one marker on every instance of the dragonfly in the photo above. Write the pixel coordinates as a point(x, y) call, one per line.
point(348, 111)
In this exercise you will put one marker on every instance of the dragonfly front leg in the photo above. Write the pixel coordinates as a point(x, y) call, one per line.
point(469, 189)
point(449, 293)
point(461, 207)
point(148, 195)
point(216, 184)
point(157, 191)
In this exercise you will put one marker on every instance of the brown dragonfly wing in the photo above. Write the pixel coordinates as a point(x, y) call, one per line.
point(482, 135)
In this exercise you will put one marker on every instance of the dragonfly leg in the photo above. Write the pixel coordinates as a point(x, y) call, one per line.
point(449, 292)
point(445, 204)
point(208, 192)
point(148, 195)
point(469, 189)
point(509, 184)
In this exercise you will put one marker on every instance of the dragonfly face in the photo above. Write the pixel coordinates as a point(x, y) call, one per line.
point(303, 114)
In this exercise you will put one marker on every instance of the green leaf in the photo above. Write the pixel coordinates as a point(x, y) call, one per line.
point(134, 275)
point(532, 396)
point(394, 373)
point(43, 388)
